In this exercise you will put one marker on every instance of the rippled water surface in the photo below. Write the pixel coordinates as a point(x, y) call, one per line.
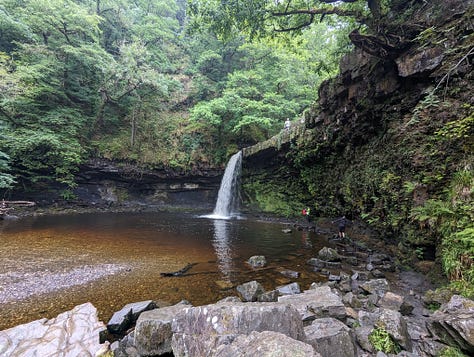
point(49, 264)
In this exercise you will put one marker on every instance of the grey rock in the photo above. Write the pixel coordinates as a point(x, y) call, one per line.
point(290, 289)
point(376, 286)
point(153, 330)
point(330, 337)
point(257, 261)
point(128, 315)
point(265, 344)
point(318, 263)
point(329, 254)
point(394, 323)
point(362, 336)
point(269, 296)
point(199, 331)
point(316, 303)
point(250, 291)
point(453, 324)
point(290, 274)
point(418, 62)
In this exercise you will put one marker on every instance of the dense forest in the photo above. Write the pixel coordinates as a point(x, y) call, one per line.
point(180, 85)
point(144, 81)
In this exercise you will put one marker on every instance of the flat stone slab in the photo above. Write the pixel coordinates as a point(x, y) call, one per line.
point(72, 333)
point(316, 303)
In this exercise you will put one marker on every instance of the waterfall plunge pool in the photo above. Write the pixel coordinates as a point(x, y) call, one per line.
point(49, 264)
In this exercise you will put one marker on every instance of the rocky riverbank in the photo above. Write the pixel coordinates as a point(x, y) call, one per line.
point(366, 305)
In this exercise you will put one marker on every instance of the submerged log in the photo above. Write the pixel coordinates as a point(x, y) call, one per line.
point(179, 272)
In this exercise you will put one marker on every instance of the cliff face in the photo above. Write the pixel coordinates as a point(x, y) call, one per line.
point(388, 133)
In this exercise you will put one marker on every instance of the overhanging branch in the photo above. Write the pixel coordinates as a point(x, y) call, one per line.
point(312, 12)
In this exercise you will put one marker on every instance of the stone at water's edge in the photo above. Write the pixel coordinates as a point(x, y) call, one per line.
point(153, 330)
point(128, 315)
point(257, 261)
point(199, 331)
point(71, 334)
point(266, 344)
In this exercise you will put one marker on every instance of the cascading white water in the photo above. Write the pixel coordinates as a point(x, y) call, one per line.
point(227, 204)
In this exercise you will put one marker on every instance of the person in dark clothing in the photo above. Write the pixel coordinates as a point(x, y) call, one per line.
point(341, 224)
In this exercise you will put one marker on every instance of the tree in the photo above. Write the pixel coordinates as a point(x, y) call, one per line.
point(266, 18)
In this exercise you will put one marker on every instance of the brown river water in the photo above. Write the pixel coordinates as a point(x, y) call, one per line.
point(49, 264)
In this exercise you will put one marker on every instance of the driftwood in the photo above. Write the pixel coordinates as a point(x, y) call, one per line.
point(180, 272)
point(5, 206)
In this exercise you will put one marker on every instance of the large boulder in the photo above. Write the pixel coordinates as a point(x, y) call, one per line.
point(122, 320)
point(266, 344)
point(153, 330)
point(199, 331)
point(316, 303)
point(453, 323)
point(70, 334)
point(330, 337)
point(250, 291)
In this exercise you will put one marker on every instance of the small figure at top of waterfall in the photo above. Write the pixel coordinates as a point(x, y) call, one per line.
point(287, 124)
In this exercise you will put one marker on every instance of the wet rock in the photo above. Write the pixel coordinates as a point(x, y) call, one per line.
point(290, 289)
point(257, 261)
point(378, 258)
point(318, 263)
point(375, 286)
point(250, 291)
point(266, 344)
point(453, 324)
point(329, 254)
point(199, 331)
point(316, 303)
point(420, 61)
point(72, 333)
point(122, 320)
point(330, 337)
point(378, 274)
point(153, 330)
point(290, 274)
point(359, 275)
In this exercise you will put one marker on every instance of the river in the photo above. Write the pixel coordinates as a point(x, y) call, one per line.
point(49, 264)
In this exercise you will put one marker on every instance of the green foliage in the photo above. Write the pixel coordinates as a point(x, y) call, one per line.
point(450, 220)
point(382, 341)
point(451, 352)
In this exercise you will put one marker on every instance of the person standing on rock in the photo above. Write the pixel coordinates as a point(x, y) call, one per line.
point(287, 124)
point(341, 225)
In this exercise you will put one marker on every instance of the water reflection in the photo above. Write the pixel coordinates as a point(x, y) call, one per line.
point(221, 243)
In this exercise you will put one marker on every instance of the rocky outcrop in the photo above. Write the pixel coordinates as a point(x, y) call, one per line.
point(71, 334)
point(453, 323)
point(199, 331)
point(316, 322)
point(266, 344)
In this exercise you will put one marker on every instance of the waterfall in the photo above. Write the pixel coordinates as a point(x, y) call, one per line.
point(227, 204)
